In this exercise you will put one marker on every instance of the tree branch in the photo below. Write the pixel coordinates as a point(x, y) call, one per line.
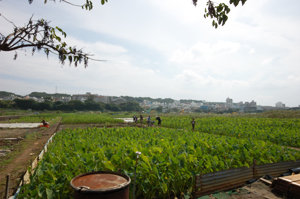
point(40, 35)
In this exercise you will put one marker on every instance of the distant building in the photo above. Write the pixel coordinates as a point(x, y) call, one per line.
point(252, 104)
point(83, 97)
point(279, 105)
point(239, 105)
point(96, 97)
point(104, 99)
point(118, 100)
point(34, 98)
point(64, 99)
point(229, 103)
point(11, 97)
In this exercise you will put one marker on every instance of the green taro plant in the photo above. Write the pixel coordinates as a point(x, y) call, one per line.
point(167, 167)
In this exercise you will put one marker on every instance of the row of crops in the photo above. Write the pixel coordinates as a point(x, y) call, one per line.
point(284, 132)
point(69, 118)
point(170, 158)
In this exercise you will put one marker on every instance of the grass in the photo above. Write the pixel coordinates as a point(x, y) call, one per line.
point(22, 145)
point(18, 148)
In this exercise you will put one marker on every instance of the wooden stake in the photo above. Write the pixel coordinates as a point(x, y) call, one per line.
point(7, 187)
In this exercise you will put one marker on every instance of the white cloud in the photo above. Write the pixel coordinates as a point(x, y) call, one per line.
point(252, 51)
point(267, 61)
point(204, 51)
point(200, 81)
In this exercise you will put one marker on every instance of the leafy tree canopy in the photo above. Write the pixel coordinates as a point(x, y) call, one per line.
point(44, 95)
point(5, 94)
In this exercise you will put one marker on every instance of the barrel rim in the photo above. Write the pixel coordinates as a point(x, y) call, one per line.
point(123, 186)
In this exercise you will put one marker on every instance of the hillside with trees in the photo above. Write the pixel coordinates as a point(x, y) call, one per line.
point(45, 95)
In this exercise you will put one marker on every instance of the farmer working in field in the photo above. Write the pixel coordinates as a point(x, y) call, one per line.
point(134, 118)
point(193, 123)
point(159, 120)
point(149, 120)
point(141, 119)
point(45, 124)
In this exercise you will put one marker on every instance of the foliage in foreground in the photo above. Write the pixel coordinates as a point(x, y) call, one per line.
point(170, 159)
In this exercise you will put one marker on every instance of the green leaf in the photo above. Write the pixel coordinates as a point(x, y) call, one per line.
point(108, 165)
point(219, 8)
point(41, 191)
point(58, 38)
point(49, 194)
point(164, 187)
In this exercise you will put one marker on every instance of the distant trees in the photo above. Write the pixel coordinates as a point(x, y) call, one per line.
point(25, 104)
point(6, 104)
point(44, 95)
point(141, 99)
point(159, 109)
point(73, 105)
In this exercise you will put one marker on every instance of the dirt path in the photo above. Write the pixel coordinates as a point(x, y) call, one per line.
point(293, 148)
point(19, 165)
point(14, 133)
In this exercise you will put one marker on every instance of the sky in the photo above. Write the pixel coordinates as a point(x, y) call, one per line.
point(162, 49)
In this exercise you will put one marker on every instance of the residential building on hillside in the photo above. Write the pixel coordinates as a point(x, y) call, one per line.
point(83, 97)
point(11, 97)
point(64, 99)
point(100, 98)
point(34, 98)
point(118, 100)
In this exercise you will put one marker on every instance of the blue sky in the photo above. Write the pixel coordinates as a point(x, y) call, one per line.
point(163, 49)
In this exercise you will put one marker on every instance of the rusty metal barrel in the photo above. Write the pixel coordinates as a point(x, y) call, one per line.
point(101, 184)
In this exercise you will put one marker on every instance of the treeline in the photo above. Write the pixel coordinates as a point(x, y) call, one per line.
point(5, 94)
point(141, 99)
point(72, 105)
point(46, 95)
point(190, 101)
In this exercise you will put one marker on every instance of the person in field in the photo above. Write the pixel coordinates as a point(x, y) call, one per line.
point(45, 124)
point(134, 118)
point(159, 120)
point(193, 122)
point(149, 120)
point(141, 119)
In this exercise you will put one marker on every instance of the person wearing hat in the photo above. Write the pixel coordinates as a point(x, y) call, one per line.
point(159, 120)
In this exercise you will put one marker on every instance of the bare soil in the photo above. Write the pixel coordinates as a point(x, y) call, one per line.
point(256, 190)
point(25, 151)
point(14, 133)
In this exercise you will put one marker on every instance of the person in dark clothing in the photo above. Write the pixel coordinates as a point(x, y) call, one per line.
point(149, 121)
point(193, 123)
point(134, 118)
point(159, 120)
point(141, 119)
